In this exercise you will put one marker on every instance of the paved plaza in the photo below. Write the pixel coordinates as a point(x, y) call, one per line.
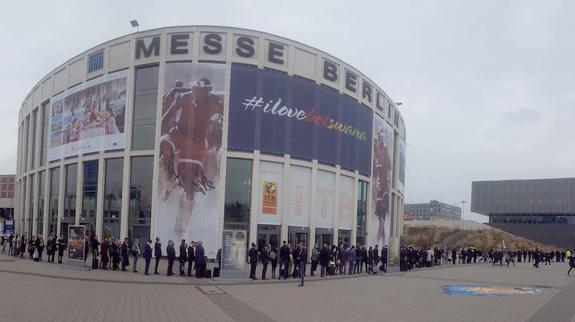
point(48, 292)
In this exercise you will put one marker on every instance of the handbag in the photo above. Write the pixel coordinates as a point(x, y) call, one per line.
point(35, 255)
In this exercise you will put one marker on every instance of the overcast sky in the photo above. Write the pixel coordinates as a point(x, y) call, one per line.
point(488, 87)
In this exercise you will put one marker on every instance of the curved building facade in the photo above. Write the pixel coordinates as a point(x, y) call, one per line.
point(224, 135)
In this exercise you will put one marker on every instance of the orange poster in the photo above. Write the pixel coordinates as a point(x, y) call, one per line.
point(270, 200)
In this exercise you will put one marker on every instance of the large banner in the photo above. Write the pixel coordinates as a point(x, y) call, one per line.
point(76, 241)
point(346, 203)
point(270, 194)
point(401, 173)
point(190, 149)
point(280, 114)
point(325, 199)
point(89, 117)
point(379, 226)
point(299, 196)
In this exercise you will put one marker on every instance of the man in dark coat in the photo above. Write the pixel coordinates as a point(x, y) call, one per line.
point(183, 256)
point(301, 255)
point(454, 256)
point(147, 256)
point(200, 259)
point(253, 258)
point(284, 260)
point(124, 251)
point(171, 257)
point(375, 259)
point(191, 258)
point(157, 254)
point(324, 259)
point(104, 258)
point(264, 255)
point(384, 258)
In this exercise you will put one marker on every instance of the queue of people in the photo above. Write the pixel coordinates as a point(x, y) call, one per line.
point(34, 246)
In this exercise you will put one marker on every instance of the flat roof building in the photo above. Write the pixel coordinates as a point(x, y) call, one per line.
point(433, 210)
point(538, 209)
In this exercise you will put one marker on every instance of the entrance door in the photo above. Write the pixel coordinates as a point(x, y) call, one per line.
point(327, 239)
point(301, 237)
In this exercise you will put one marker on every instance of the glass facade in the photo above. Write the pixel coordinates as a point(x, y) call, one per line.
point(532, 219)
point(361, 213)
point(70, 195)
point(145, 107)
point(140, 211)
point(89, 193)
point(238, 194)
point(113, 197)
point(41, 198)
point(53, 201)
point(45, 130)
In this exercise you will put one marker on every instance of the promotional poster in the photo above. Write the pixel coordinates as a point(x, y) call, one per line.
point(299, 196)
point(325, 199)
point(379, 227)
point(190, 149)
point(280, 114)
point(76, 240)
point(234, 249)
point(271, 191)
point(346, 205)
point(89, 117)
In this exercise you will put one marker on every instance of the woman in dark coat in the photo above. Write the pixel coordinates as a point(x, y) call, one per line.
point(31, 246)
point(124, 251)
point(114, 252)
point(61, 247)
point(51, 248)
point(39, 247)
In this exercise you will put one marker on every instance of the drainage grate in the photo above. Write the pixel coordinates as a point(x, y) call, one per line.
point(211, 290)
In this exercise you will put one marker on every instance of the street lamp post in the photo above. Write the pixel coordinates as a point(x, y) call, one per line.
point(463, 202)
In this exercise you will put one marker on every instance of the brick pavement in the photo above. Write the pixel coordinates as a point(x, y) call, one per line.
point(408, 297)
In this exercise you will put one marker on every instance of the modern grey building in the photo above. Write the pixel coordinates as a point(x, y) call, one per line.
point(433, 210)
point(541, 209)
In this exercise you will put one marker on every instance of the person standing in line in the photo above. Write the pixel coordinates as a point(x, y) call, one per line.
point(191, 257)
point(384, 258)
point(51, 248)
point(183, 257)
point(454, 256)
point(115, 253)
point(31, 246)
point(314, 259)
point(104, 253)
point(571, 262)
point(324, 254)
point(253, 258)
point(374, 267)
point(3, 243)
point(135, 254)
point(61, 247)
point(200, 259)
point(369, 268)
point(171, 252)
point(10, 243)
point(264, 255)
point(23, 244)
point(351, 257)
point(157, 254)
point(124, 251)
point(284, 260)
point(302, 260)
point(274, 259)
point(147, 256)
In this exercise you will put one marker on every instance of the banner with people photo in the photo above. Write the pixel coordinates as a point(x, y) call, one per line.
point(190, 152)
point(346, 203)
point(89, 117)
point(325, 199)
point(379, 226)
point(299, 196)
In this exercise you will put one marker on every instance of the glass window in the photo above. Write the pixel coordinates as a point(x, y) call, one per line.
point(140, 209)
point(145, 99)
point(70, 193)
point(95, 61)
point(45, 129)
point(238, 194)
point(113, 197)
point(31, 204)
point(89, 192)
point(33, 138)
point(361, 212)
point(53, 206)
point(41, 198)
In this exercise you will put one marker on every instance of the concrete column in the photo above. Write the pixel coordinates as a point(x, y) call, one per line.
point(61, 191)
point(125, 197)
point(46, 202)
point(100, 196)
point(34, 195)
point(79, 190)
point(354, 213)
point(312, 202)
point(336, 204)
point(256, 191)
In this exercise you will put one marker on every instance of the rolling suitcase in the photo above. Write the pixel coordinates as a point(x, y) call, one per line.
point(208, 273)
point(216, 272)
point(94, 263)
